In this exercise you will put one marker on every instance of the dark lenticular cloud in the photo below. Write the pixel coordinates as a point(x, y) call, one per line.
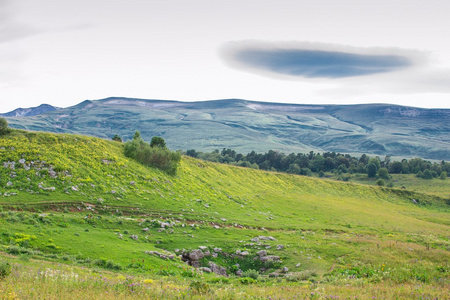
point(318, 63)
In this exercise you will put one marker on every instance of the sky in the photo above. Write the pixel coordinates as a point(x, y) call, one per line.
point(62, 52)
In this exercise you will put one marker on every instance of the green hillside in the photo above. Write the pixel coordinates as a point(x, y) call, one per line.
point(380, 129)
point(79, 201)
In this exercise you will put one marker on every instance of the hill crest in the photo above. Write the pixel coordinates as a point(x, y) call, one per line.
point(377, 129)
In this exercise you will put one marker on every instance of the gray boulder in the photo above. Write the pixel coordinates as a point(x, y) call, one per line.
point(262, 253)
point(270, 257)
point(196, 255)
point(218, 269)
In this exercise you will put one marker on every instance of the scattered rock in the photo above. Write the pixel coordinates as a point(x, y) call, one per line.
point(217, 250)
point(196, 255)
point(9, 183)
point(262, 253)
point(239, 273)
point(217, 269)
point(74, 188)
point(202, 247)
point(298, 265)
point(269, 257)
point(285, 270)
point(205, 269)
point(134, 237)
point(280, 247)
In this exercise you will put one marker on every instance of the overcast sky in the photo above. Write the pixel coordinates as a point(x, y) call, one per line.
point(62, 52)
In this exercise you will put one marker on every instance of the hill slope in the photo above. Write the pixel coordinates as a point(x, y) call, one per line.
point(98, 208)
point(242, 125)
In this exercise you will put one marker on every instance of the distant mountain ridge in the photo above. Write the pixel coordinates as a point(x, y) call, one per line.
point(28, 112)
point(377, 129)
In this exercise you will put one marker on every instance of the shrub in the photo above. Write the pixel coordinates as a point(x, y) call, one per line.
point(302, 276)
point(251, 273)
point(3, 126)
point(380, 182)
point(383, 173)
point(5, 269)
point(247, 280)
point(117, 138)
point(157, 156)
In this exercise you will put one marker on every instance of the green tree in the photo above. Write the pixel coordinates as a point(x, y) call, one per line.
point(376, 162)
point(192, 153)
point(395, 167)
point(443, 175)
point(371, 170)
point(427, 174)
point(383, 173)
point(137, 135)
point(158, 142)
point(3, 126)
point(117, 138)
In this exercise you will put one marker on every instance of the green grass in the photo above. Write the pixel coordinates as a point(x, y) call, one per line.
point(342, 234)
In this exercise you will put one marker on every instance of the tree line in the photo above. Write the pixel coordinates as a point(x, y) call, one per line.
point(312, 162)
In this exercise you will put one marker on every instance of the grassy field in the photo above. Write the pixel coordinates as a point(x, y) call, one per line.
point(410, 182)
point(75, 206)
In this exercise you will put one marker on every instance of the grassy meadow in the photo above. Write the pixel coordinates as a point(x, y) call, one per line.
point(78, 217)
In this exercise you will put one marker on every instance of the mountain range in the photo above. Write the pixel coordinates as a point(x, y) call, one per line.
point(242, 125)
point(28, 112)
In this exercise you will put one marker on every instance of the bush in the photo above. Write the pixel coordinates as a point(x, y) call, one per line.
point(251, 273)
point(3, 126)
point(380, 182)
point(117, 138)
point(158, 156)
point(247, 280)
point(383, 173)
point(5, 269)
point(302, 276)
